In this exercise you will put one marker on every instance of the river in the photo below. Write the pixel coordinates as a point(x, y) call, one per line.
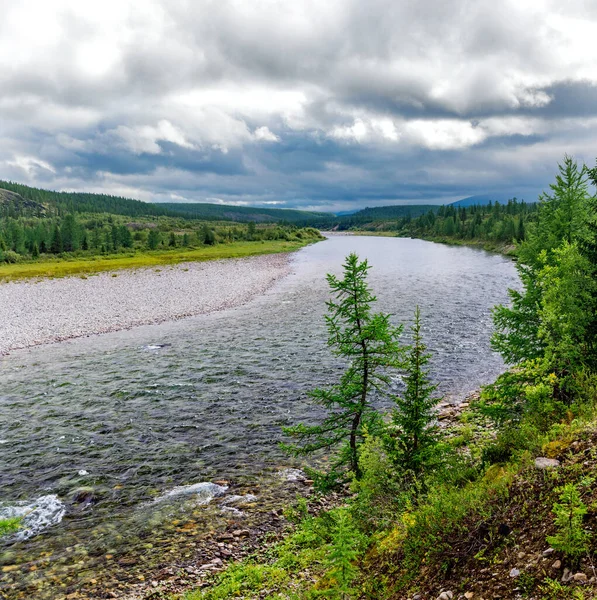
point(97, 435)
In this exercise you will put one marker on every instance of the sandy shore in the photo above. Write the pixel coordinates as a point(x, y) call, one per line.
point(51, 310)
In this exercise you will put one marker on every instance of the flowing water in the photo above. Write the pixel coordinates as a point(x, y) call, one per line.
point(99, 436)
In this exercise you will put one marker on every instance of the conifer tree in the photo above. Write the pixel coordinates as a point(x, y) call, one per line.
point(369, 343)
point(56, 246)
point(340, 561)
point(416, 435)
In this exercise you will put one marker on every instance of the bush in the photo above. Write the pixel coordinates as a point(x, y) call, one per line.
point(571, 538)
point(10, 257)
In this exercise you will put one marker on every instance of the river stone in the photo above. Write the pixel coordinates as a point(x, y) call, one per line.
point(514, 573)
point(580, 577)
point(542, 462)
point(446, 596)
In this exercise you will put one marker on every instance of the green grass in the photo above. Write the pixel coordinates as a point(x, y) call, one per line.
point(96, 264)
point(8, 526)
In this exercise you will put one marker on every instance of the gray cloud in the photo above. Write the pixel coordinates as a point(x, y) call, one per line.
point(328, 105)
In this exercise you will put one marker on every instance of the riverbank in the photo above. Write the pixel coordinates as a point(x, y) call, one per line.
point(53, 310)
point(87, 265)
point(499, 248)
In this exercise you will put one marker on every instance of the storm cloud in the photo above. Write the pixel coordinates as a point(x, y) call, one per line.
point(327, 105)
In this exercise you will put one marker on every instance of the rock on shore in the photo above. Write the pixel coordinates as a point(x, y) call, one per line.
point(51, 310)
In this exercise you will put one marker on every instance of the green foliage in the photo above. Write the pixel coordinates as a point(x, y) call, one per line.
point(8, 526)
point(550, 330)
point(370, 345)
point(493, 224)
point(153, 239)
point(571, 538)
point(415, 434)
point(339, 563)
point(380, 494)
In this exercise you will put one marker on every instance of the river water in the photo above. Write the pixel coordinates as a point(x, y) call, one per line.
point(96, 432)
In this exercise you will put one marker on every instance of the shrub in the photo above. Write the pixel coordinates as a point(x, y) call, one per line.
point(571, 538)
point(10, 257)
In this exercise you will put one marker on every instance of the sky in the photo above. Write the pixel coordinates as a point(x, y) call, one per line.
point(326, 105)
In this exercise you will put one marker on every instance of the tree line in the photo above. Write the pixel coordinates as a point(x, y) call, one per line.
point(29, 238)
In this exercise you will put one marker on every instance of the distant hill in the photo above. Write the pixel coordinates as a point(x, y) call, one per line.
point(391, 212)
point(13, 204)
point(77, 202)
point(243, 214)
point(481, 199)
point(21, 200)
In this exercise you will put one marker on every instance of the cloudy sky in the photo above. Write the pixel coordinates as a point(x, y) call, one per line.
point(331, 105)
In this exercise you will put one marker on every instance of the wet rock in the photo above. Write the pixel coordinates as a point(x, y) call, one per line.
point(548, 552)
point(83, 496)
point(542, 462)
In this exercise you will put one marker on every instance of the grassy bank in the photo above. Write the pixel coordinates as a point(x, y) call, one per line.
point(96, 264)
point(487, 535)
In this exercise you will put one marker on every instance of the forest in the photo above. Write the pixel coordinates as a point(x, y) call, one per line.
point(38, 225)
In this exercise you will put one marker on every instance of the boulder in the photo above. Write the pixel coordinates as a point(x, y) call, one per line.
point(542, 462)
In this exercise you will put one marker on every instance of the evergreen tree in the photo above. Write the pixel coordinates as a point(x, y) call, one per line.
point(153, 239)
point(172, 240)
point(125, 237)
point(209, 237)
point(370, 345)
point(340, 561)
point(70, 233)
point(561, 217)
point(56, 245)
point(415, 435)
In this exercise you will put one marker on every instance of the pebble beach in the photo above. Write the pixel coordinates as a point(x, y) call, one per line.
point(35, 312)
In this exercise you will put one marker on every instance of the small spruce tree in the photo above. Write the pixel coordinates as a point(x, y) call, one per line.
point(340, 561)
point(415, 436)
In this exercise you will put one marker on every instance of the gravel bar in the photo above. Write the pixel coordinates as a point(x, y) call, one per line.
point(51, 310)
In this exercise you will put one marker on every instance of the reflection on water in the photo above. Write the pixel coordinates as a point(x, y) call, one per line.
point(108, 423)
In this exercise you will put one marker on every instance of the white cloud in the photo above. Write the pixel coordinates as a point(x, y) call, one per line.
point(30, 164)
point(266, 88)
point(263, 134)
point(144, 139)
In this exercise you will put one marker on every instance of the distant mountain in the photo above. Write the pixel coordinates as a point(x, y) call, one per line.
point(481, 199)
point(344, 213)
point(391, 212)
point(244, 214)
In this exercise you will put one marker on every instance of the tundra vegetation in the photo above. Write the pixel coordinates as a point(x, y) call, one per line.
point(46, 233)
point(464, 508)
